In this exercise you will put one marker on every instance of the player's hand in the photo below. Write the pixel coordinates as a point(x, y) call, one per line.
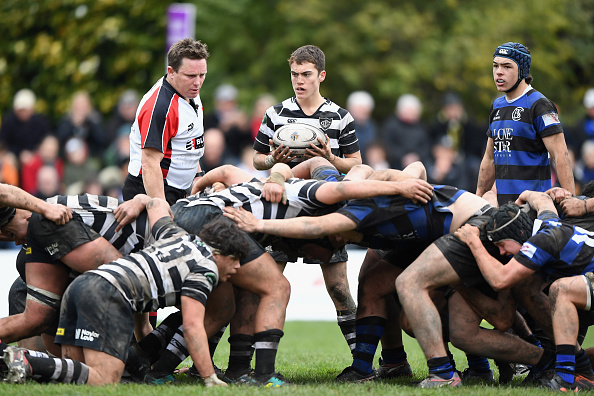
point(129, 211)
point(57, 213)
point(245, 220)
point(282, 153)
point(573, 207)
point(323, 151)
point(274, 192)
point(415, 189)
point(467, 233)
point(213, 380)
point(558, 194)
point(218, 186)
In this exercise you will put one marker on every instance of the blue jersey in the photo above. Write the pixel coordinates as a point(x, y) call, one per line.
point(521, 158)
point(388, 220)
point(557, 248)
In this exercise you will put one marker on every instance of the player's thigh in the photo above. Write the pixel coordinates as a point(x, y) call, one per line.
point(429, 271)
point(260, 276)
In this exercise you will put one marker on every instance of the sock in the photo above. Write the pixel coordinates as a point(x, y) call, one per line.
point(582, 363)
point(531, 338)
point(441, 366)
point(369, 332)
point(153, 319)
point(478, 363)
point(346, 322)
point(213, 341)
point(173, 355)
point(451, 357)
point(158, 339)
point(393, 355)
point(546, 361)
point(241, 350)
point(266, 344)
point(565, 364)
point(66, 371)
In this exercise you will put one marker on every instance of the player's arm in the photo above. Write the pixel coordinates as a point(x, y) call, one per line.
point(152, 176)
point(157, 208)
point(557, 147)
point(128, 211)
point(576, 207)
point(539, 201)
point(415, 189)
point(303, 227)
point(226, 174)
point(264, 161)
point(486, 176)
point(15, 197)
point(197, 341)
point(499, 276)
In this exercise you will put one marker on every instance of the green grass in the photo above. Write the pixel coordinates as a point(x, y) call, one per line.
point(311, 354)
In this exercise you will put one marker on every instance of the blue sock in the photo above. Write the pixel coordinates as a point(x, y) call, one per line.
point(478, 363)
point(441, 366)
point(394, 355)
point(582, 363)
point(565, 365)
point(369, 332)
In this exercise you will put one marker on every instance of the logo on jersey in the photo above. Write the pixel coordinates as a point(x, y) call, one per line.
point(291, 121)
point(517, 113)
point(52, 249)
point(28, 250)
point(528, 249)
point(212, 278)
point(325, 123)
point(190, 127)
point(85, 335)
point(502, 138)
point(60, 331)
point(550, 119)
point(195, 144)
point(497, 116)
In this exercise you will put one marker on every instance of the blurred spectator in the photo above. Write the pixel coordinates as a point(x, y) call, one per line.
point(404, 135)
point(247, 163)
point(112, 179)
point(375, 156)
point(48, 182)
point(447, 166)
point(215, 153)
point(77, 168)
point(22, 128)
point(123, 118)
point(46, 155)
point(361, 104)
point(464, 136)
point(9, 170)
point(83, 122)
point(584, 129)
point(260, 106)
point(118, 152)
point(230, 119)
point(584, 169)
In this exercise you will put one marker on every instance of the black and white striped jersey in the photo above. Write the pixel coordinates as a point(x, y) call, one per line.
point(97, 212)
point(301, 199)
point(332, 119)
point(177, 264)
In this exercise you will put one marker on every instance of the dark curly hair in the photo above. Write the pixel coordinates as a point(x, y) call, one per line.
point(224, 235)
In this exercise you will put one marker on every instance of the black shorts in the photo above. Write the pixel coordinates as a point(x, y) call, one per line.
point(462, 260)
point(402, 257)
point(339, 256)
point(95, 315)
point(17, 297)
point(193, 218)
point(48, 242)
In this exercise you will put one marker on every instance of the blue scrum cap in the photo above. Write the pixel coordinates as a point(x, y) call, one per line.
point(519, 54)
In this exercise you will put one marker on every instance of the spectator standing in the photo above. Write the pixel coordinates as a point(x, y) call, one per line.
point(123, 117)
point(361, 104)
point(48, 154)
point(22, 128)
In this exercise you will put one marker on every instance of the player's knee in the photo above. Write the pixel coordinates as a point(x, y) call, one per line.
point(461, 337)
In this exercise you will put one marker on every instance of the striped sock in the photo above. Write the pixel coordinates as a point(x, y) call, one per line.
point(441, 366)
point(369, 332)
point(565, 365)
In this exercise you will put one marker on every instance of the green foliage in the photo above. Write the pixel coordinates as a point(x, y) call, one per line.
point(386, 47)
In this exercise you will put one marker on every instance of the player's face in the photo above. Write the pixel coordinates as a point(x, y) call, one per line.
point(228, 265)
point(507, 247)
point(16, 230)
point(505, 73)
point(306, 80)
point(188, 80)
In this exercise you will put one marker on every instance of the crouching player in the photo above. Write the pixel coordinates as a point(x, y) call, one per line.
point(96, 318)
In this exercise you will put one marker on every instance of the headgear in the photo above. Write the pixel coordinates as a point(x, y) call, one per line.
point(509, 221)
point(519, 54)
point(6, 215)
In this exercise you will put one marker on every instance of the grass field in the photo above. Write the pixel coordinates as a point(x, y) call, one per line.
point(311, 354)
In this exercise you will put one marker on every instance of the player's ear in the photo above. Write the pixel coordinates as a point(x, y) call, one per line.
point(322, 76)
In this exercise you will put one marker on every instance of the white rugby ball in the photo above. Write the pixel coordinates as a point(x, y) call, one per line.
point(298, 137)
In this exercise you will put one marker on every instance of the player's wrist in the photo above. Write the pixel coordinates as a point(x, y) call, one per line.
point(269, 161)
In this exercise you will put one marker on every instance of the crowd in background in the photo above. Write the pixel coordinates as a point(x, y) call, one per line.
point(88, 152)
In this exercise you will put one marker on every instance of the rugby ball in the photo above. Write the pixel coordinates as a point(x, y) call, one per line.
point(298, 137)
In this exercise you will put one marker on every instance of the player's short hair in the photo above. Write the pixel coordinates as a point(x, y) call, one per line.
point(225, 236)
point(509, 221)
point(311, 54)
point(588, 189)
point(187, 48)
point(6, 215)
